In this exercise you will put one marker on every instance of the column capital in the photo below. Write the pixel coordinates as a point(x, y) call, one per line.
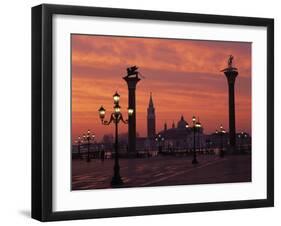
point(131, 81)
point(231, 74)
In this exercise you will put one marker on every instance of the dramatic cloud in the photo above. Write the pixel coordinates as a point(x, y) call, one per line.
point(183, 75)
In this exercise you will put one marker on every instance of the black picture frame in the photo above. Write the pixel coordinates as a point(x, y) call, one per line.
point(42, 111)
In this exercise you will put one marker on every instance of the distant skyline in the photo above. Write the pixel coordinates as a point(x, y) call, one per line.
point(183, 75)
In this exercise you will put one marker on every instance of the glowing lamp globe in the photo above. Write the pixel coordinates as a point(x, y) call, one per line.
point(130, 111)
point(116, 97)
point(117, 108)
point(102, 112)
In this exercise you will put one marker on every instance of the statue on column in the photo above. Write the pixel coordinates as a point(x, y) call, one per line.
point(230, 64)
point(132, 71)
point(132, 78)
point(230, 59)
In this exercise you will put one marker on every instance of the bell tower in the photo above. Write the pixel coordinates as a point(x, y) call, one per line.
point(151, 119)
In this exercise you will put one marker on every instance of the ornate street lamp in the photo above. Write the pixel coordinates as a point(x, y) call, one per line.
point(79, 142)
point(222, 133)
point(196, 125)
point(115, 118)
point(88, 137)
point(187, 143)
point(243, 136)
point(245, 142)
point(160, 140)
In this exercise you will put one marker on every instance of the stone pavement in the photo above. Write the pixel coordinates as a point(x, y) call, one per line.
point(162, 171)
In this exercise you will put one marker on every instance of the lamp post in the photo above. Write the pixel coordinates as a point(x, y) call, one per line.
point(222, 133)
point(88, 137)
point(115, 118)
point(187, 139)
point(196, 126)
point(160, 141)
point(240, 142)
point(243, 142)
point(79, 142)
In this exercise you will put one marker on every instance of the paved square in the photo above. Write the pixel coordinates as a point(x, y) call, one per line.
point(162, 171)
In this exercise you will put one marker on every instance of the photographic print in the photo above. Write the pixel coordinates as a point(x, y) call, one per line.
point(159, 112)
point(149, 103)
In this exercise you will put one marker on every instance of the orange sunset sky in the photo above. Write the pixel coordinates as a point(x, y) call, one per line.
point(183, 75)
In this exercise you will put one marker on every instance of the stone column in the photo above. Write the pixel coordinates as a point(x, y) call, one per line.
point(231, 74)
point(132, 83)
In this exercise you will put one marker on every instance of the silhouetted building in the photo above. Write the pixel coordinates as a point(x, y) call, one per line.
point(151, 121)
point(180, 137)
point(182, 124)
point(165, 126)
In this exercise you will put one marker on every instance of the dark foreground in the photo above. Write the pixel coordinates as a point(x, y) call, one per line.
point(162, 171)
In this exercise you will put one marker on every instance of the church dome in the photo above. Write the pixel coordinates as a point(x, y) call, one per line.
point(182, 123)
